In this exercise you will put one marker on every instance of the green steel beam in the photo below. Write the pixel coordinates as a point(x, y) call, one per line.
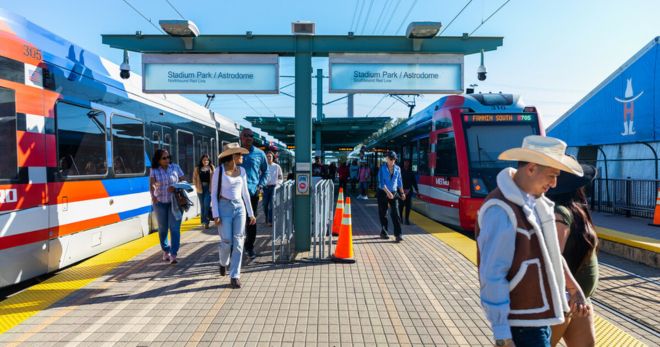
point(302, 204)
point(286, 45)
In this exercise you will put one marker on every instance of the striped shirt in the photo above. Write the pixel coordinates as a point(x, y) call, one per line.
point(164, 179)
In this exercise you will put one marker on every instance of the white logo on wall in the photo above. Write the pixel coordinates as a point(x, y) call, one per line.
point(628, 108)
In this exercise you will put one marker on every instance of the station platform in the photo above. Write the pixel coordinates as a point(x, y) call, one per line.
point(629, 237)
point(422, 291)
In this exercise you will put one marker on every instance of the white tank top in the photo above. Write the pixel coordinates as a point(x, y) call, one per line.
point(231, 187)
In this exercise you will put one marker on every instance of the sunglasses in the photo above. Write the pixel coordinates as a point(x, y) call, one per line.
point(248, 135)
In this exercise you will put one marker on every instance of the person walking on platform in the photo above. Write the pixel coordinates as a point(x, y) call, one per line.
point(256, 168)
point(275, 178)
point(521, 271)
point(364, 175)
point(389, 183)
point(231, 203)
point(202, 182)
point(578, 242)
point(332, 171)
point(318, 169)
point(162, 177)
point(343, 174)
point(409, 184)
point(354, 170)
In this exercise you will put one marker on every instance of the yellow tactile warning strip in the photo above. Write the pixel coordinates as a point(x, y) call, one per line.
point(607, 334)
point(631, 240)
point(24, 305)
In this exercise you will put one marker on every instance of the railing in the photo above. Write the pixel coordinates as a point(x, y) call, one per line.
point(625, 196)
point(323, 207)
point(283, 231)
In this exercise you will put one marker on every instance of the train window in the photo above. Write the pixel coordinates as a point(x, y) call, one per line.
point(445, 155)
point(127, 145)
point(81, 144)
point(423, 166)
point(12, 70)
point(186, 152)
point(155, 140)
point(167, 141)
point(9, 162)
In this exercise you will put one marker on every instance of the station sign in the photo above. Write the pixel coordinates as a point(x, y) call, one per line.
point(498, 117)
point(210, 73)
point(396, 73)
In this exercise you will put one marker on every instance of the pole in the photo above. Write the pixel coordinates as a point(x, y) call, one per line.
point(319, 111)
point(303, 141)
point(350, 105)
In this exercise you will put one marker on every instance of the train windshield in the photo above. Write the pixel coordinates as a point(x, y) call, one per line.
point(485, 142)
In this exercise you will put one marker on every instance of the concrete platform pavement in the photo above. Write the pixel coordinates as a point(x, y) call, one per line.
point(419, 292)
point(631, 225)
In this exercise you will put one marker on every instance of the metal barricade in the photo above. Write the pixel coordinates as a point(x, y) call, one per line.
point(283, 230)
point(323, 206)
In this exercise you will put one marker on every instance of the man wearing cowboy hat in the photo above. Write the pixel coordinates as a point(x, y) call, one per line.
point(521, 270)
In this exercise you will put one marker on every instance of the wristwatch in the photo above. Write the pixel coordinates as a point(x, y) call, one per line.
point(502, 342)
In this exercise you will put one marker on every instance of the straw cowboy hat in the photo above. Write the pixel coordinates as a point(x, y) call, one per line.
point(546, 151)
point(231, 149)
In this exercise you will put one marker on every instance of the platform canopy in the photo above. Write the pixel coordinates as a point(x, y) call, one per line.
point(336, 133)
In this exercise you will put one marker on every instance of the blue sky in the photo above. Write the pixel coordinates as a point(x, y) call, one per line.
point(554, 52)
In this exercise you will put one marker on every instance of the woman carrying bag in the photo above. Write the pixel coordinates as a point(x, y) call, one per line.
point(230, 203)
point(202, 180)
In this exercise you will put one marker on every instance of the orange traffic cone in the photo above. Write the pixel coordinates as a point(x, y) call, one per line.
point(656, 213)
point(344, 250)
point(339, 211)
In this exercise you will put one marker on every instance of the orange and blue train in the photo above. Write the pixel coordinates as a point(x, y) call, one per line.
point(76, 142)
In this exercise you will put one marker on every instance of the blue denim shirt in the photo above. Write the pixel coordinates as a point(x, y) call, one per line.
point(497, 240)
point(256, 168)
point(392, 182)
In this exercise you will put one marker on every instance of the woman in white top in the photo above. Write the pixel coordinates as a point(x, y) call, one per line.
point(230, 202)
point(275, 178)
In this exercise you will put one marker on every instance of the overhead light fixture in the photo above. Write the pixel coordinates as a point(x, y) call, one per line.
point(183, 28)
point(303, 28)
point(418, 31)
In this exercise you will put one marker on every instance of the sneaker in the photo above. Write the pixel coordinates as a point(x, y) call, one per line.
point(383, 235)
point(173, 259)
point(250, 254)
point(206, 225)
point(166, 256)
point(223, 271)
point(399, 238)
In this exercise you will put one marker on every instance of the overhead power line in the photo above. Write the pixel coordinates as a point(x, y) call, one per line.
point(458, 14)
point(359, 17)
point(388, 108)
point(376, 105)
point(248, 105)
point(380, 16)
point(489, 17)
point(406, 17)
point(398, 2)
point(262, 102)
point(366, 18)
point(357, 3)
point(143, 16)
point(175, 10)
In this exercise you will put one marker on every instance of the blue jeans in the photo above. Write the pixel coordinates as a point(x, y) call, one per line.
point(531, 336)
point(232, 234)
point(363, 188)
point(269, 192)
point(205, 204)
point(167, 222)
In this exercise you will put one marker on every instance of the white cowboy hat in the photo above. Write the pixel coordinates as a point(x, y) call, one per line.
point(231, 149)
point(546, 151)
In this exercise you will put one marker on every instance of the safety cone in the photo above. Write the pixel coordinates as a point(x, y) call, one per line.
point(339, 211)
point(656, 213)
point(344, 250)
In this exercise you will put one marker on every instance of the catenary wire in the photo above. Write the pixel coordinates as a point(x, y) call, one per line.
point(457, 15)
point(143, 16)
point(489, 17)
point(250, 106)
point(175, 10)
point(366, 18)
point(262, 102)
point(388, 108)
point(406, 17)
point(380, 16)
point(357, 3)
point(376, 105)
point(389, 21)
point(359, 18)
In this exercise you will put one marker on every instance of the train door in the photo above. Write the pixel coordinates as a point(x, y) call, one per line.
point(23, 213)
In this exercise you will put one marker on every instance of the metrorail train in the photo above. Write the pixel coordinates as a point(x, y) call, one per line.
point(453, 145)
point(77, 142)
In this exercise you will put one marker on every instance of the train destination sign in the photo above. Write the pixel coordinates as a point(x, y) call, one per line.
point(396, 73)
point(498, 118)
point(210, 73)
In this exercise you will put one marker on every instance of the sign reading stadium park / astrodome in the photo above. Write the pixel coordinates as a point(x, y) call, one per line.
point(210, 73)
point(396, 73)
